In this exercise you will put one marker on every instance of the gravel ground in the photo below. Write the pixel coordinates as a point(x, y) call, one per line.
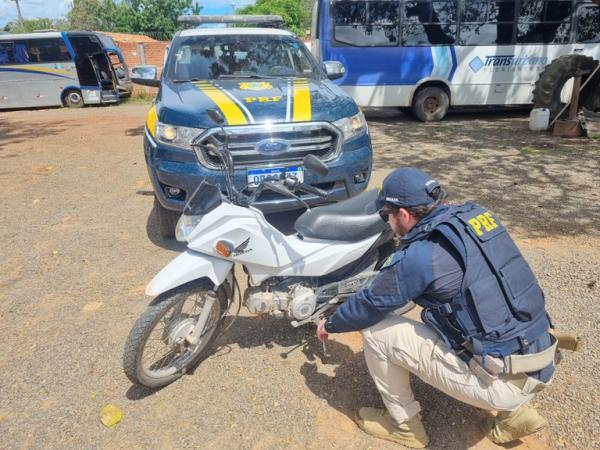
point(78, 244)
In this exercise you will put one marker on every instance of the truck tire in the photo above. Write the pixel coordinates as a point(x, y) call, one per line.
point(430, 104)
point(547, 90)
point(166, 219)
point(73, 98)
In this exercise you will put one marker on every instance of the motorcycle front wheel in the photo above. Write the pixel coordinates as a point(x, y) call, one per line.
point(156, 351)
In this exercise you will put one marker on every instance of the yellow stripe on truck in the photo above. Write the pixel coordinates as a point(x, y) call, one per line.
point(302, 108)
point(232, 112)
point(151, 120)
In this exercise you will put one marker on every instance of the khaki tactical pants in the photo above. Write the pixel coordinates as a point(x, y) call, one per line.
point(398, 345)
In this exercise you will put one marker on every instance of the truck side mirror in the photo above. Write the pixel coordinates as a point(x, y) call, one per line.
point(146, 72)
point(334, 69)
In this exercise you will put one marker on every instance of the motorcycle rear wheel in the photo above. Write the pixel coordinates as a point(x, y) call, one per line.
point(156, 353)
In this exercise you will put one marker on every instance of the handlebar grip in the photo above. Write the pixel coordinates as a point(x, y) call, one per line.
point(312, 190)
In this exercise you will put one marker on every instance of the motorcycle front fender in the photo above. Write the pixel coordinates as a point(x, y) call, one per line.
point(187, 267)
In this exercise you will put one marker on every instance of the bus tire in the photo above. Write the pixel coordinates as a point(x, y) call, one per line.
point(166, 219)
point(73, 99)
point(430, 104)
point(548, 88)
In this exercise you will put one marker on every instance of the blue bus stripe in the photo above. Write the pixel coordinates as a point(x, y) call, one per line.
point(68, 44)
point(454, 63)
point(10, 69)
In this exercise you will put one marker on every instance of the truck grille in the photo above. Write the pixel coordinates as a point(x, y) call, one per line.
point(318, 138)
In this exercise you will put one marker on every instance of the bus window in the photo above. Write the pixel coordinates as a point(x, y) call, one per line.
point(429, 23)
point(48, 50)
point(487, 22)
point(588, 24)
point(544, 22)
point(20, 53)
point(6, 53)
point(366, 23)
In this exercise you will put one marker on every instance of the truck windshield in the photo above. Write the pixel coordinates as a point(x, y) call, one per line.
point(239, 56)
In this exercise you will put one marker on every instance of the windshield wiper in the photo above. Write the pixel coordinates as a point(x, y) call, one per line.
point(187, 81)
point(244, 75)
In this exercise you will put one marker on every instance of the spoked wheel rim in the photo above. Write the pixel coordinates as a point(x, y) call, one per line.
point(166, 350)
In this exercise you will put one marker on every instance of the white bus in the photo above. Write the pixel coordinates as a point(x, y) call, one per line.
point(54, 69)
point(425, 56)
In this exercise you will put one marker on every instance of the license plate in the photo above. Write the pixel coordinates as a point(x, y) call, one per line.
point(255, 176)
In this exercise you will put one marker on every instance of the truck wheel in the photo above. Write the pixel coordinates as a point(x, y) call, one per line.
point(549, 85)
point(430, 104)
point(167, 220)
point(73, 98)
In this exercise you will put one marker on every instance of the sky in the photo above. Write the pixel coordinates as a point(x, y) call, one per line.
point(33, 9)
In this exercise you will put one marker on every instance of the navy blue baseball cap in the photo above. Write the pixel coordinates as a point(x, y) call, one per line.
point(404, 187)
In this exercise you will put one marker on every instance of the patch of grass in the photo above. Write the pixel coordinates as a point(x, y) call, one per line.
point(140, 98)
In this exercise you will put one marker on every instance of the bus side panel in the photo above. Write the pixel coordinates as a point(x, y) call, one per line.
point(506, 75)
point(35, 85)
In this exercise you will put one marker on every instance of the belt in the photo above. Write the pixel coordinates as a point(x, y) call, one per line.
point(517, 364)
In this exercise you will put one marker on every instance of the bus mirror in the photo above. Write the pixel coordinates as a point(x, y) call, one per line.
point(334, 69)
point(145, 72)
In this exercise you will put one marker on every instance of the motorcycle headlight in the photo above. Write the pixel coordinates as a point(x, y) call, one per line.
point(352, 127)
point(185, 226)
point(177, 136)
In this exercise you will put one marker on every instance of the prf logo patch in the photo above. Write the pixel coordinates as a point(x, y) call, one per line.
point(255, 86)
point(263, 99)
point(483, 223)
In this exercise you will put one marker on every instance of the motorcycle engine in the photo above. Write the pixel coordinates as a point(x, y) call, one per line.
point(298, 302)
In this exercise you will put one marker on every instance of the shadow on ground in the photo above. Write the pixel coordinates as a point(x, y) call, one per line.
point(533, 180)
point(19, 131)
point(346, 384)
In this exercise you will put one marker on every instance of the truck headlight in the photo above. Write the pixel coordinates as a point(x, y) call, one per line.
point(185, 226)
point(353, 126)
point(177, 136)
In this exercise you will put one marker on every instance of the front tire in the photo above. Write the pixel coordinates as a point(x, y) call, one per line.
point(156, 353)
point(167, 220)
point(73, 98)
point(431, 104)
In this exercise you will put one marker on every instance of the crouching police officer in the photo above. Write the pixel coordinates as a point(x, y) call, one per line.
point(484, 338)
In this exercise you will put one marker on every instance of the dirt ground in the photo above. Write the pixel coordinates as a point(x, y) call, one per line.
point(78, 243)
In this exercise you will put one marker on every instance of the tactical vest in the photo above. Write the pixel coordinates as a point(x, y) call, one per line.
point(499, 309)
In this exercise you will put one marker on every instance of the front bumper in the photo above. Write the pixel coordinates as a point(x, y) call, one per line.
point(172, 167)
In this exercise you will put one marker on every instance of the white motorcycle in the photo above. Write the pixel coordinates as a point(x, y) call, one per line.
point(336, 250)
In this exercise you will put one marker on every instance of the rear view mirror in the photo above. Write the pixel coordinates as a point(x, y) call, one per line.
point(334, 69)
point(314, 164)
point(145, 72)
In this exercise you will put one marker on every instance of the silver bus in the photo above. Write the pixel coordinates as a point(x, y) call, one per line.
point(55, 69)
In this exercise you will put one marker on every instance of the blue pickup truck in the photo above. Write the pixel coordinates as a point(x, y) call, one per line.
point(279, 105)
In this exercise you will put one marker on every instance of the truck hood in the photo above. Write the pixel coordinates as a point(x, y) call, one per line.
point(247, 101)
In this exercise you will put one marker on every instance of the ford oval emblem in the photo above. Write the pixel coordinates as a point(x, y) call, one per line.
point(272, 146)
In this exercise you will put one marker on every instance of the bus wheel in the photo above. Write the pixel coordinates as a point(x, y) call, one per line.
point(549, 86)
point(430, 104)
point(73, 98)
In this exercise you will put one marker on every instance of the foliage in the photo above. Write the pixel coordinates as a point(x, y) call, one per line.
point(153, 17)
point(30, 25)
point(296, 16)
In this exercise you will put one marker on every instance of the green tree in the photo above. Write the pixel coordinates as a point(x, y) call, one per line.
point(157, 18)
point(296, 18)
point(30, 25)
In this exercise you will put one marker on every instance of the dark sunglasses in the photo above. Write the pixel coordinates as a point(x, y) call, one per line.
point(385, 212)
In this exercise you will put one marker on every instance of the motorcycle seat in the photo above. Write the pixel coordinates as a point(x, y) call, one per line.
point(344, 221)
